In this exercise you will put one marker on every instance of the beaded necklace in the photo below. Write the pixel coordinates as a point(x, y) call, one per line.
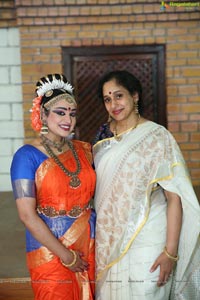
point(74, 181)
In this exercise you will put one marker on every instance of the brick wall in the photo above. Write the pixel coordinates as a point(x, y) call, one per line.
point(7, 14)
point(46, 28)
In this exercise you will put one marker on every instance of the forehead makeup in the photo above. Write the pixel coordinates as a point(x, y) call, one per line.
point(69, 99)
point(64, 108)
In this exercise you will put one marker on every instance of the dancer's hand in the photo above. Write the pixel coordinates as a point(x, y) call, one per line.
point(80, 264)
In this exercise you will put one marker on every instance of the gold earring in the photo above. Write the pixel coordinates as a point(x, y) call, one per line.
point(44, 129)
point(109, 119)
point(71, 136)
point(136, 108)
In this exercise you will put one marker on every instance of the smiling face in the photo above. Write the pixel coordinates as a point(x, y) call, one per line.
point(119, 103)
point(61, 119)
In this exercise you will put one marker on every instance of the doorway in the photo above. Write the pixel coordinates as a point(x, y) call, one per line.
point(84, 66)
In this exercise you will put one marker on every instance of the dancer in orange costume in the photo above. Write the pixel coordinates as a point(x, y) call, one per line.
point(53, 183)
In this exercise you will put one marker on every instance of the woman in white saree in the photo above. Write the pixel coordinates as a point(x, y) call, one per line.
point(148, 216)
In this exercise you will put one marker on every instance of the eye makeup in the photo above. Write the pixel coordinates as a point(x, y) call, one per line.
point(61, 111)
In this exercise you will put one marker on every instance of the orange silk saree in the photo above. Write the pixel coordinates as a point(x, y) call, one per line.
point(67, 213)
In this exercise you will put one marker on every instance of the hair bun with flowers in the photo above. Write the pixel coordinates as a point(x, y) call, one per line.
point(44, 88)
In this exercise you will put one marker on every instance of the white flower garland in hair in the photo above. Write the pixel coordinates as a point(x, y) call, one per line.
point(52, 85)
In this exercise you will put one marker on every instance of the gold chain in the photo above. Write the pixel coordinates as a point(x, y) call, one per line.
point(118, 137)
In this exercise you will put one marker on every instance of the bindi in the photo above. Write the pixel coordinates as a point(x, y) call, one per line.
point(109, 92)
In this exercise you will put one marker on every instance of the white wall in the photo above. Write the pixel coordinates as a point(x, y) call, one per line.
point(11, 111)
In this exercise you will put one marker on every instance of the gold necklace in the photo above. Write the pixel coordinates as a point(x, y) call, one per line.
point(58, 146)
point(118, 137)
point(74, 181)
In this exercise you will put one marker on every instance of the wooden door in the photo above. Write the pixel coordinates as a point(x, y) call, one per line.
point(84, 66)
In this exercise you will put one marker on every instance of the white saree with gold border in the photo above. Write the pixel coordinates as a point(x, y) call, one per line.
point(131, 216)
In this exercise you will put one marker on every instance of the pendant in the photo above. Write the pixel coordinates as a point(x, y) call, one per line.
point(74, 182)
point(118, 138)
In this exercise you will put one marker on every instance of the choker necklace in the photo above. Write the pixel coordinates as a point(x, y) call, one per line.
point(48, 142)
point(74, 181)
point(118, 137)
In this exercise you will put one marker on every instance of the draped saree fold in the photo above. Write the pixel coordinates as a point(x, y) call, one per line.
point(67, 213)
point(131, 216)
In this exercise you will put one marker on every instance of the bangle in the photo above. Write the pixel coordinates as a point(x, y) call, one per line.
point(73, 261)
point(174, 258)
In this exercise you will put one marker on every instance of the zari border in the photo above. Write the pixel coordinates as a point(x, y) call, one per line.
point(96, 147)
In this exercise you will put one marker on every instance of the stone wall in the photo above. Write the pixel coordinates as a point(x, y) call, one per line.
point(11, 111)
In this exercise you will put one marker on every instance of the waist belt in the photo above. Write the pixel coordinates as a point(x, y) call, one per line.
point(50, 211)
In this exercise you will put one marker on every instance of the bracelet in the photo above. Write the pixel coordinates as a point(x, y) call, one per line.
point(174, 258)
point(73, 261)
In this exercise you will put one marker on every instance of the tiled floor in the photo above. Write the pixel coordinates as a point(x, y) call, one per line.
point(12, 240)
point(16, 289)
point(14, 278)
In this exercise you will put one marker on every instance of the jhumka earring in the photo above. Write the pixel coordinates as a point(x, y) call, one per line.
point(71, 135)
point(109, 119)
point(136, 108)
point(44, 129)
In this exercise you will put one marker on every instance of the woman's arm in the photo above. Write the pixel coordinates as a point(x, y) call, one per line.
point(174, 222)
point(28, 215)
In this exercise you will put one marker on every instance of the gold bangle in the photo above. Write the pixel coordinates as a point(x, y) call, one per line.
point(174, 258)
point(73, 261)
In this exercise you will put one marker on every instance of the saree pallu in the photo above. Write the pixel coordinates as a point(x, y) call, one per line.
point(131, 216)
point(67, 213)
